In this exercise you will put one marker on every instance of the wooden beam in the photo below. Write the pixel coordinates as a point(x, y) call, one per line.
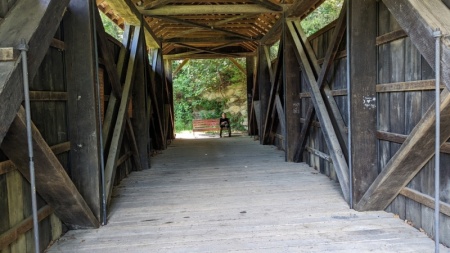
point(206, 50)
point(8, 54)
point(207, 27)
point(389, 37)
point(48, 96)
point(334, 93)
point(83, 113)
point(363, 106)
point(24, 226)
point(407, 86)
point(425, 200)
point(37, 26)
point(330, 55)
point(419, 19)
point(176, 10)
point(400, 138)
point(184, 62)
point(129, 12)
point(268, 4)
point(264, 86)
point(52, 182)
point(340, 164)
point(301, 8)
point(156, 4)
point(58, 44)
point(238, 65)
point(281, 114)
point(415, 152)
point(116, 143)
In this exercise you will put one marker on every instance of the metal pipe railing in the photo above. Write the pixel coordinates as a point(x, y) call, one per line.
point(437, 34)
point(23, 47)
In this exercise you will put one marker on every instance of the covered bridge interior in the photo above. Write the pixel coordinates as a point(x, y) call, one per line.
point(355, 101)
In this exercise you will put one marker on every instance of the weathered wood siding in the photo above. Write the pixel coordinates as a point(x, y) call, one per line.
point(49, 114)
point(338, 82)
point(399, 112)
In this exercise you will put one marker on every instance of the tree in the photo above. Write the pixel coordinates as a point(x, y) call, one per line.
point(326, 13)
point(206, 88)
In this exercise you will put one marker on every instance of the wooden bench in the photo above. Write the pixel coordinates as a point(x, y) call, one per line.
point(205, 125)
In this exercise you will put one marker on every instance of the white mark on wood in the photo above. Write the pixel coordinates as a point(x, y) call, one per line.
point(296, 108)
point(370, 102)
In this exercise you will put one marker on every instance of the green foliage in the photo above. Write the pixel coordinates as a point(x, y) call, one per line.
point(326, 13)
point(201, 90)
point(111, 28)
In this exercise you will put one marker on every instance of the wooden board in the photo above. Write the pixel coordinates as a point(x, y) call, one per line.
point(235, 195)
point(52, 182)
point(35, 27)
point(83, 103)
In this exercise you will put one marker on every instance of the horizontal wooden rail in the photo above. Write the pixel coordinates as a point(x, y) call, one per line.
point(339, 55)
point(389, 37)
point(7, 166)
point(13, 233)
point(425, 200)
point(335, 93)
point(58, 44)
point(123, 158)
point(319, 154)
point(400, 138)
point(407, 86)
point(48, 96)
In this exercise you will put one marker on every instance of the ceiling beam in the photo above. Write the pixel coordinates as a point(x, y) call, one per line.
point(206, 56)
point(268, 4)
point(128, 11)
point(209, 9)
point(157, 4)
point(206, 50)
point(185, 22)
point(221, 22)
point(301, 8)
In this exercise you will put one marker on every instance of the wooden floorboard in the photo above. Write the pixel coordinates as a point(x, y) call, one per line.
point(234, 195)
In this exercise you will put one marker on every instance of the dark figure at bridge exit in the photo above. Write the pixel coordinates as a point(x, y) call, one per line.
point(225, 123)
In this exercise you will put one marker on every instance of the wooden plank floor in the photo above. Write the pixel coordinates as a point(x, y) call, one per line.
point(234, 195)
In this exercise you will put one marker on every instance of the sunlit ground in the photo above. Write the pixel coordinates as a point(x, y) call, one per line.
point(203, 135)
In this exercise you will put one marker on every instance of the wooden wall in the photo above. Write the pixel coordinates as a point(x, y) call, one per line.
point(318, 154)
point(49, 114)
point(405, 83)
point(399, 110)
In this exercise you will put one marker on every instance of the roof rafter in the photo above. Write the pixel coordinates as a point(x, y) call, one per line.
point(209, 9)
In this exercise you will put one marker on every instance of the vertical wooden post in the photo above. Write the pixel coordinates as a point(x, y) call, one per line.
point(264, 90)
point(292, 86)
point(362, 95)
point(84, 132)
point(140, 121)
point(250, 71)
point(169, 79)
point(158, 68)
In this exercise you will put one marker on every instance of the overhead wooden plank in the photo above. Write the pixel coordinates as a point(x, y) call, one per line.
point(419, 19)
point(268, 4)
point(340, 164)
point(127, 10)
point(409, 159)
point(52, 182)
point(301, 8)
point(116, 143)
point(363, 111)
point(207, 27)
point(84, 132)
point(176, 10)
point(157, 4)
point(37, 26)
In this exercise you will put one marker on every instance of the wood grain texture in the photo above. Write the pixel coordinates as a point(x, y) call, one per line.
point(81, 69)
point(200, 197)
point(52, 182)
point(37, 27)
